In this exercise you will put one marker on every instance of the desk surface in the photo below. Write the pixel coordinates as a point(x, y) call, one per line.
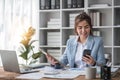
point(4, 75)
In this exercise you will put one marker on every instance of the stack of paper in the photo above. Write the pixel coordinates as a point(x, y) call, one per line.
point(72, 19)
point(53, 23)
point(53, 38)
point(67, 74)
point(31, 76)
point(50, 72)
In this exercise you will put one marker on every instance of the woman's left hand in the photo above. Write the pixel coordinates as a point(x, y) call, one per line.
point(89, 60)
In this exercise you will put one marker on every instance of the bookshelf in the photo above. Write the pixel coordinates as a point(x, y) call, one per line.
point(105, 12)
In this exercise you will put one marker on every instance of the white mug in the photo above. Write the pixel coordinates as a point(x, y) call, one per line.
point(90, 73)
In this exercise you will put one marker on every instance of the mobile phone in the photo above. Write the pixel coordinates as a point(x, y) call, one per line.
point(86, 52)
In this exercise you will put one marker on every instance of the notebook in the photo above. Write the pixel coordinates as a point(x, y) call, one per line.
point(10, 62)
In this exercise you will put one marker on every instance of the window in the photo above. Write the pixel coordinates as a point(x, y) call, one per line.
point(15, 17)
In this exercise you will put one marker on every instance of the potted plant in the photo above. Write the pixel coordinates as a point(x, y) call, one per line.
point(27, 47)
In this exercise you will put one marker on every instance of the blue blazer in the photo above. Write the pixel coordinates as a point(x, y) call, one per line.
point(95, 44)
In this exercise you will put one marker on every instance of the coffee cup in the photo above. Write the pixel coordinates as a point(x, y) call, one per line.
point(90, 72)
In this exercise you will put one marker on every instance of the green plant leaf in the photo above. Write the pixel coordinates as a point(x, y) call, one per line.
point(32, 42)
point(21, 48)
point(24, 55)
point(28, 49)
point(36, 55)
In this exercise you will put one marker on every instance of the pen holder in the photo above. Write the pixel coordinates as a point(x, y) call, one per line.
point(105, 73)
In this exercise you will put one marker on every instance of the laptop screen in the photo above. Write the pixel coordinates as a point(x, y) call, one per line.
point(9, 60)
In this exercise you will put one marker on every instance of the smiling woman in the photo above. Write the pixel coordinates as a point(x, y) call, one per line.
point(73, 54)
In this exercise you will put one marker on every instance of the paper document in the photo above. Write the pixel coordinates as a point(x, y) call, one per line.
point(49, 72)
point(31, 76)
point(65, 75)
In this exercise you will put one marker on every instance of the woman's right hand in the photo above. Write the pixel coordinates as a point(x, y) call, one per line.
point(51, 59)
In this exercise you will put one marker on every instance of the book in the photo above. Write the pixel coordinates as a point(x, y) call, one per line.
point(53, 22)
point(69, 3)
point(72, 19)
point(74, 3)
point(96, 33)
point(57, 4)
point(42, 4)
point(55, 19)
point(91, 16)
point(54, 33)
point(52, 4)
point(47, 4)
point(98, 14)
point(53, 38)
point(94, 19)
point(53, 26)
point(53, 44)
point(54, 52)
point(80, 3)
point(100, 5)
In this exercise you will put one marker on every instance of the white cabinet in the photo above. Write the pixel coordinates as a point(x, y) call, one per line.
point(58, 22)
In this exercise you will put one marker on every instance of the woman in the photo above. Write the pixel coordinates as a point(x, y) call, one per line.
point(73, 54)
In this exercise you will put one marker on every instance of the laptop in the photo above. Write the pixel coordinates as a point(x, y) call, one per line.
point(10, 62)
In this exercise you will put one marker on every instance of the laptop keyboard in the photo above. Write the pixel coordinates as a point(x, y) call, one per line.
point(28, 70)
